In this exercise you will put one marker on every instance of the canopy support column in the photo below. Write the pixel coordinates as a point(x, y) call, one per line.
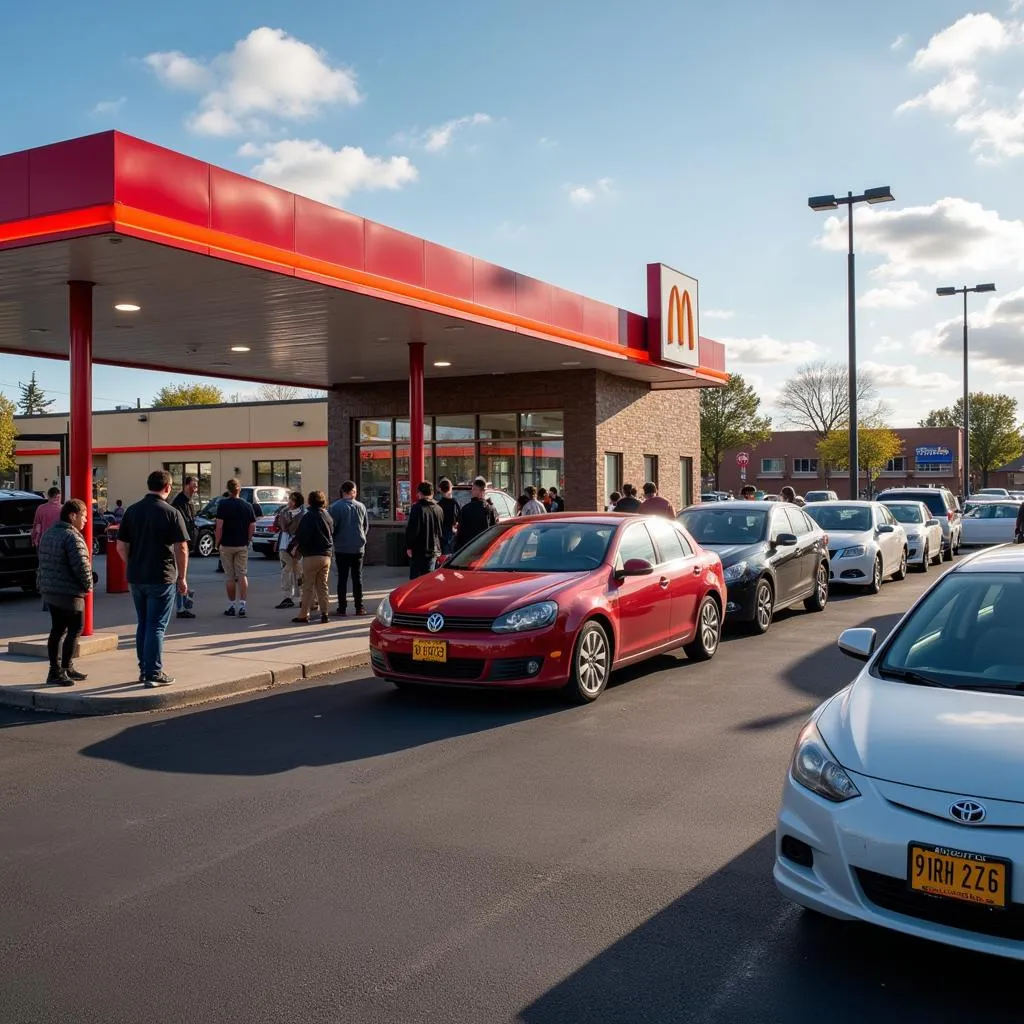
point(416, 415)
point(80, 333)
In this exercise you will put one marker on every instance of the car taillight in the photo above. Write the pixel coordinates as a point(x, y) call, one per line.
point(949, 516)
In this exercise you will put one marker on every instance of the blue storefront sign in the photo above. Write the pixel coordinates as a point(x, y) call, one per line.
point(933, 453)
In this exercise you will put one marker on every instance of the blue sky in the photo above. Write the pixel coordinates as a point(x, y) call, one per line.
point(576, 143)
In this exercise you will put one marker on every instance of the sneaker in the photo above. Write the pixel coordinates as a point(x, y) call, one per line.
point(299, 618)
point(58, 677)
point(241, 612)
point(360, 610)
point(229, 611)
point(186, 614)
point(286, 603)
point(163, 679)
point(342, 612)
point(324, 619)
point(72, 673)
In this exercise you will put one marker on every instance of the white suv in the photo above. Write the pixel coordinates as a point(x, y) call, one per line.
point(941, 503)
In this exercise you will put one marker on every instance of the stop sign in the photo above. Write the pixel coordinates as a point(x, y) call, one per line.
point(743, 460)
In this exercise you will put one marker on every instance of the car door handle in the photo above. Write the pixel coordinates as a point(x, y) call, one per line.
point(697, 570)
point(663, 582)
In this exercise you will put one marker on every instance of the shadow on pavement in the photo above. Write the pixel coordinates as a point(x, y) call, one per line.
point(733, 950)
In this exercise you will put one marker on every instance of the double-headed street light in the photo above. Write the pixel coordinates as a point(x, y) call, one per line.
point(818, 204)
point(967, 422)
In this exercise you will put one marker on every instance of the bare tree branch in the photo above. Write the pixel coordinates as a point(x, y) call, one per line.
point(817, 398)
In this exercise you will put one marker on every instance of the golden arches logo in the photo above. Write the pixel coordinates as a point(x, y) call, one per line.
point(679, 307)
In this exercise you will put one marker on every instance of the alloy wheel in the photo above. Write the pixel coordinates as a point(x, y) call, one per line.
point(822, 585)
point(710, 626)
point(764, 606)
point(877, 578)
point(592, 662)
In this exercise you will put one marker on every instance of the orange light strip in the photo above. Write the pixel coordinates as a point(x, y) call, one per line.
point(37, 229)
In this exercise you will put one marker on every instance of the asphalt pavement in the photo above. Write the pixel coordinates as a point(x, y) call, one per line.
point(342, 852)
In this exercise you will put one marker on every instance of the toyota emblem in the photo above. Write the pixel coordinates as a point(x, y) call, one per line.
point(967, 811)
point(435, 623)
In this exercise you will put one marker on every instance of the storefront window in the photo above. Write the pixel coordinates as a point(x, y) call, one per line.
point(542, 464)
point(498, 425)
point(405, 487)
point(402, 430)
point(278, 473)
point(373, 431)
point(455, 428)
point(455, 461)
point(202, 471)
point(497, 464)
point(541, 424)
point(375, 480)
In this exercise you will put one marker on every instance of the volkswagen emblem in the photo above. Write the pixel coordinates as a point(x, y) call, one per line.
point(435, 623)
point(967, 811)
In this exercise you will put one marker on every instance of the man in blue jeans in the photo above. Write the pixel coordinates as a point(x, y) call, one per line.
point(153, 541)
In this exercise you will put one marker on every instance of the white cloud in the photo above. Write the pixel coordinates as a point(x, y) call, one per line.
point(949, 236)
point(886, 344)
point(997, 133)
point(511, 230)
point(440, 137)
point(268, 74)
point(313, 169)
point(995, 337)
point(545, 143)
point(898, 295)
point(768, 350)
point(717, 314)
point(899, 42)
point(964, 41)
point(908, 375)
point(582, 195)
point(110, 107)
point(957, 92)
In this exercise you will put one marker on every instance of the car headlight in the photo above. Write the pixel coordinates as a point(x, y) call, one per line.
point(857, 551)
point(385, 613)
point(814, 767)
point(735, 572)
point(533, 616)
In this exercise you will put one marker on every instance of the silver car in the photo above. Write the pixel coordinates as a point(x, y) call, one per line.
point(941, 504)
point(924, 534)
point(865, 542)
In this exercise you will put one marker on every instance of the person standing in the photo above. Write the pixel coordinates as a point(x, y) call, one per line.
point(236, 523)
point(629, 502)
point(118, 510)
point(184, 502)
point(450, 511)
point(153, 541)
point(423, 532)
point(286, 522)
point(351, 524)
point(65, 577)
point(748, 493)
point(532, 506)
point(46, 515)
point(557, 501)
point(314, 540)
point(654, 504)
point(478, 515)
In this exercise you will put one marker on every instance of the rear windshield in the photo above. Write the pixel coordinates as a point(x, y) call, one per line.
point(934, 500)
point(906, 513)
point(830, 516)
point(18, 513)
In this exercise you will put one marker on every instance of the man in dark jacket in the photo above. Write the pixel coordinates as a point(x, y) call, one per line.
point(450, 510)
point(629, 502)
point(184, 503)
point(423, 532)
point(477, 516)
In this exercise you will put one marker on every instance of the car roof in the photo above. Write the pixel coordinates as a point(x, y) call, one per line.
point(850, 501)
point(918, 490)
point(736, 503)
point(11, 495)
point(901, 501)
point(1004, 558)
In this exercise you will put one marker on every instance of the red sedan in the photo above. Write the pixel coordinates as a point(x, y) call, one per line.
point(553, 601)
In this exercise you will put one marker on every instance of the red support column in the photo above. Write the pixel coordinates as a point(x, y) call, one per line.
point(80, 310)
point(416, 470)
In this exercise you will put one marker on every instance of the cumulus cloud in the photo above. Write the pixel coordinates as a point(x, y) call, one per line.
point(898, 295)
point(957, 92)
point(267, 75)
point(908, 375)
point(109, 108)
point(314, 169)
point(886, 344)
point(583, 195)
point(439, 138)
point(717, 314)
point(899, 42)
point(996, 335)
point(964, 41)
point(769, 350)
point(998, 132)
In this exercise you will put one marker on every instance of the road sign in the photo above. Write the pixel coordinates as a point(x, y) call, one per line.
point(743, 460)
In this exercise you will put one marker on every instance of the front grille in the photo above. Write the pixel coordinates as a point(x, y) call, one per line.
point(453, 668)
point(513, 668)
point(452, 623)
point(895, 895)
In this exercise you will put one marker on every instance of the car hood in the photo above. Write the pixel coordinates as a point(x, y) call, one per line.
point(847, 538)
point(203, 521)
point(959, 741)
point(730, 554)
point(484, 594)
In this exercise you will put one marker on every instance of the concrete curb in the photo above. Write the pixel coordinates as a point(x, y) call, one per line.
point(65, 703)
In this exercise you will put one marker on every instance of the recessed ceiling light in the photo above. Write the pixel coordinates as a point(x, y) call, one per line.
point(384, 337)
point(573, 362)
point(37, 330)
point(357, 378)
point(240, 348)
point(125, 327)
point(127, 307)
point(455, 327)
point(442, 363)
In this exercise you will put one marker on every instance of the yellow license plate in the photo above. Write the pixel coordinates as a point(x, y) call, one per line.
point(430, 650)
point(959, 875)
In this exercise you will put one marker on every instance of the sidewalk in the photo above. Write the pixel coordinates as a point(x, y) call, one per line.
point(210, 656)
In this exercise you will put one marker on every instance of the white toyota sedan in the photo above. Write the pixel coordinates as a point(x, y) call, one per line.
point(904, 801)
point(865, 542)
point(924, 532)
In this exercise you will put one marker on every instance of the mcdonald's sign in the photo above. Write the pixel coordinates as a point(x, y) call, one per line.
point(673, 316)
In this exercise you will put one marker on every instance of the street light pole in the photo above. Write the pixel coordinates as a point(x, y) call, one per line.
point(966, 463)
point(831, 202)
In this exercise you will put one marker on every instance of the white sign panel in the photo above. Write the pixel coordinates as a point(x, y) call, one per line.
point(678, 314)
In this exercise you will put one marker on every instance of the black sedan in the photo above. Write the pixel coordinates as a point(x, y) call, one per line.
point(774, 556)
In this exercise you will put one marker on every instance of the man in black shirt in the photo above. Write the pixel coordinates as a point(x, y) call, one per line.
point(423, 533)
point(629, 502)
point(153, 541)
point(183, 502)
point(477, 516)
point(450, 510)
point(236, 523)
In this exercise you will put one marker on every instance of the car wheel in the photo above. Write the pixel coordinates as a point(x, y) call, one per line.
point(817, 601)
point(764, 607)
point(204, 546)
point(959, 541)
point(901, 572)
point(947, 551)
point(95, 547)
point(926, 560)
point(591, 664)
point(876, 577)
point(709, 632)
point(937, 557)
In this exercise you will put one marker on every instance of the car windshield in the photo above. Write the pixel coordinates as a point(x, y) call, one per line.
point(817, 496)
point(993, 510)
point(831, 517)
point(933, 499)
point(209, 510)
point(19, 513)
point(906, 513)
point(725, 525)
point(965, 633)
point(537, 547)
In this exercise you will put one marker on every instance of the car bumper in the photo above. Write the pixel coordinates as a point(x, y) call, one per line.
point(740, 603)
point(475, 659)
point(856, 572)
point(915, 550)
point(859, 869)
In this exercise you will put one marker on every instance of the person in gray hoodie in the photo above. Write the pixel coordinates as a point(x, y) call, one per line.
point(64, 578)
point(351, 525)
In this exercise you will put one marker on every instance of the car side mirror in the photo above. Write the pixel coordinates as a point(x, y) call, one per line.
point(933, 522)
point(886, 528)
point(634, 567)
point(785, 540)
point(443, 561)
point(858, 643)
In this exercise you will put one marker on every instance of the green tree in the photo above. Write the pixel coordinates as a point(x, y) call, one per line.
point(33, 401)
point(729, 419)
point(994, 436)
point(188, 394)
point(875, 447)
point(8, 432)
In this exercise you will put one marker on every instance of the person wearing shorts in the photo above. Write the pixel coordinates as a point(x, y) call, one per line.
point(236, 523)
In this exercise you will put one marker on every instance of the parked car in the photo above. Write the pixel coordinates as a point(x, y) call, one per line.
point(992, 492)
point(902, 803)
point(773, 556)
point(814, 496)
point(100, 521)
point(924, 533)
point(990, 522)
point(264, 540)
point(18, 560)
point(866, 544)
point(941, 504)
point(554, 602)
point(502, 501)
